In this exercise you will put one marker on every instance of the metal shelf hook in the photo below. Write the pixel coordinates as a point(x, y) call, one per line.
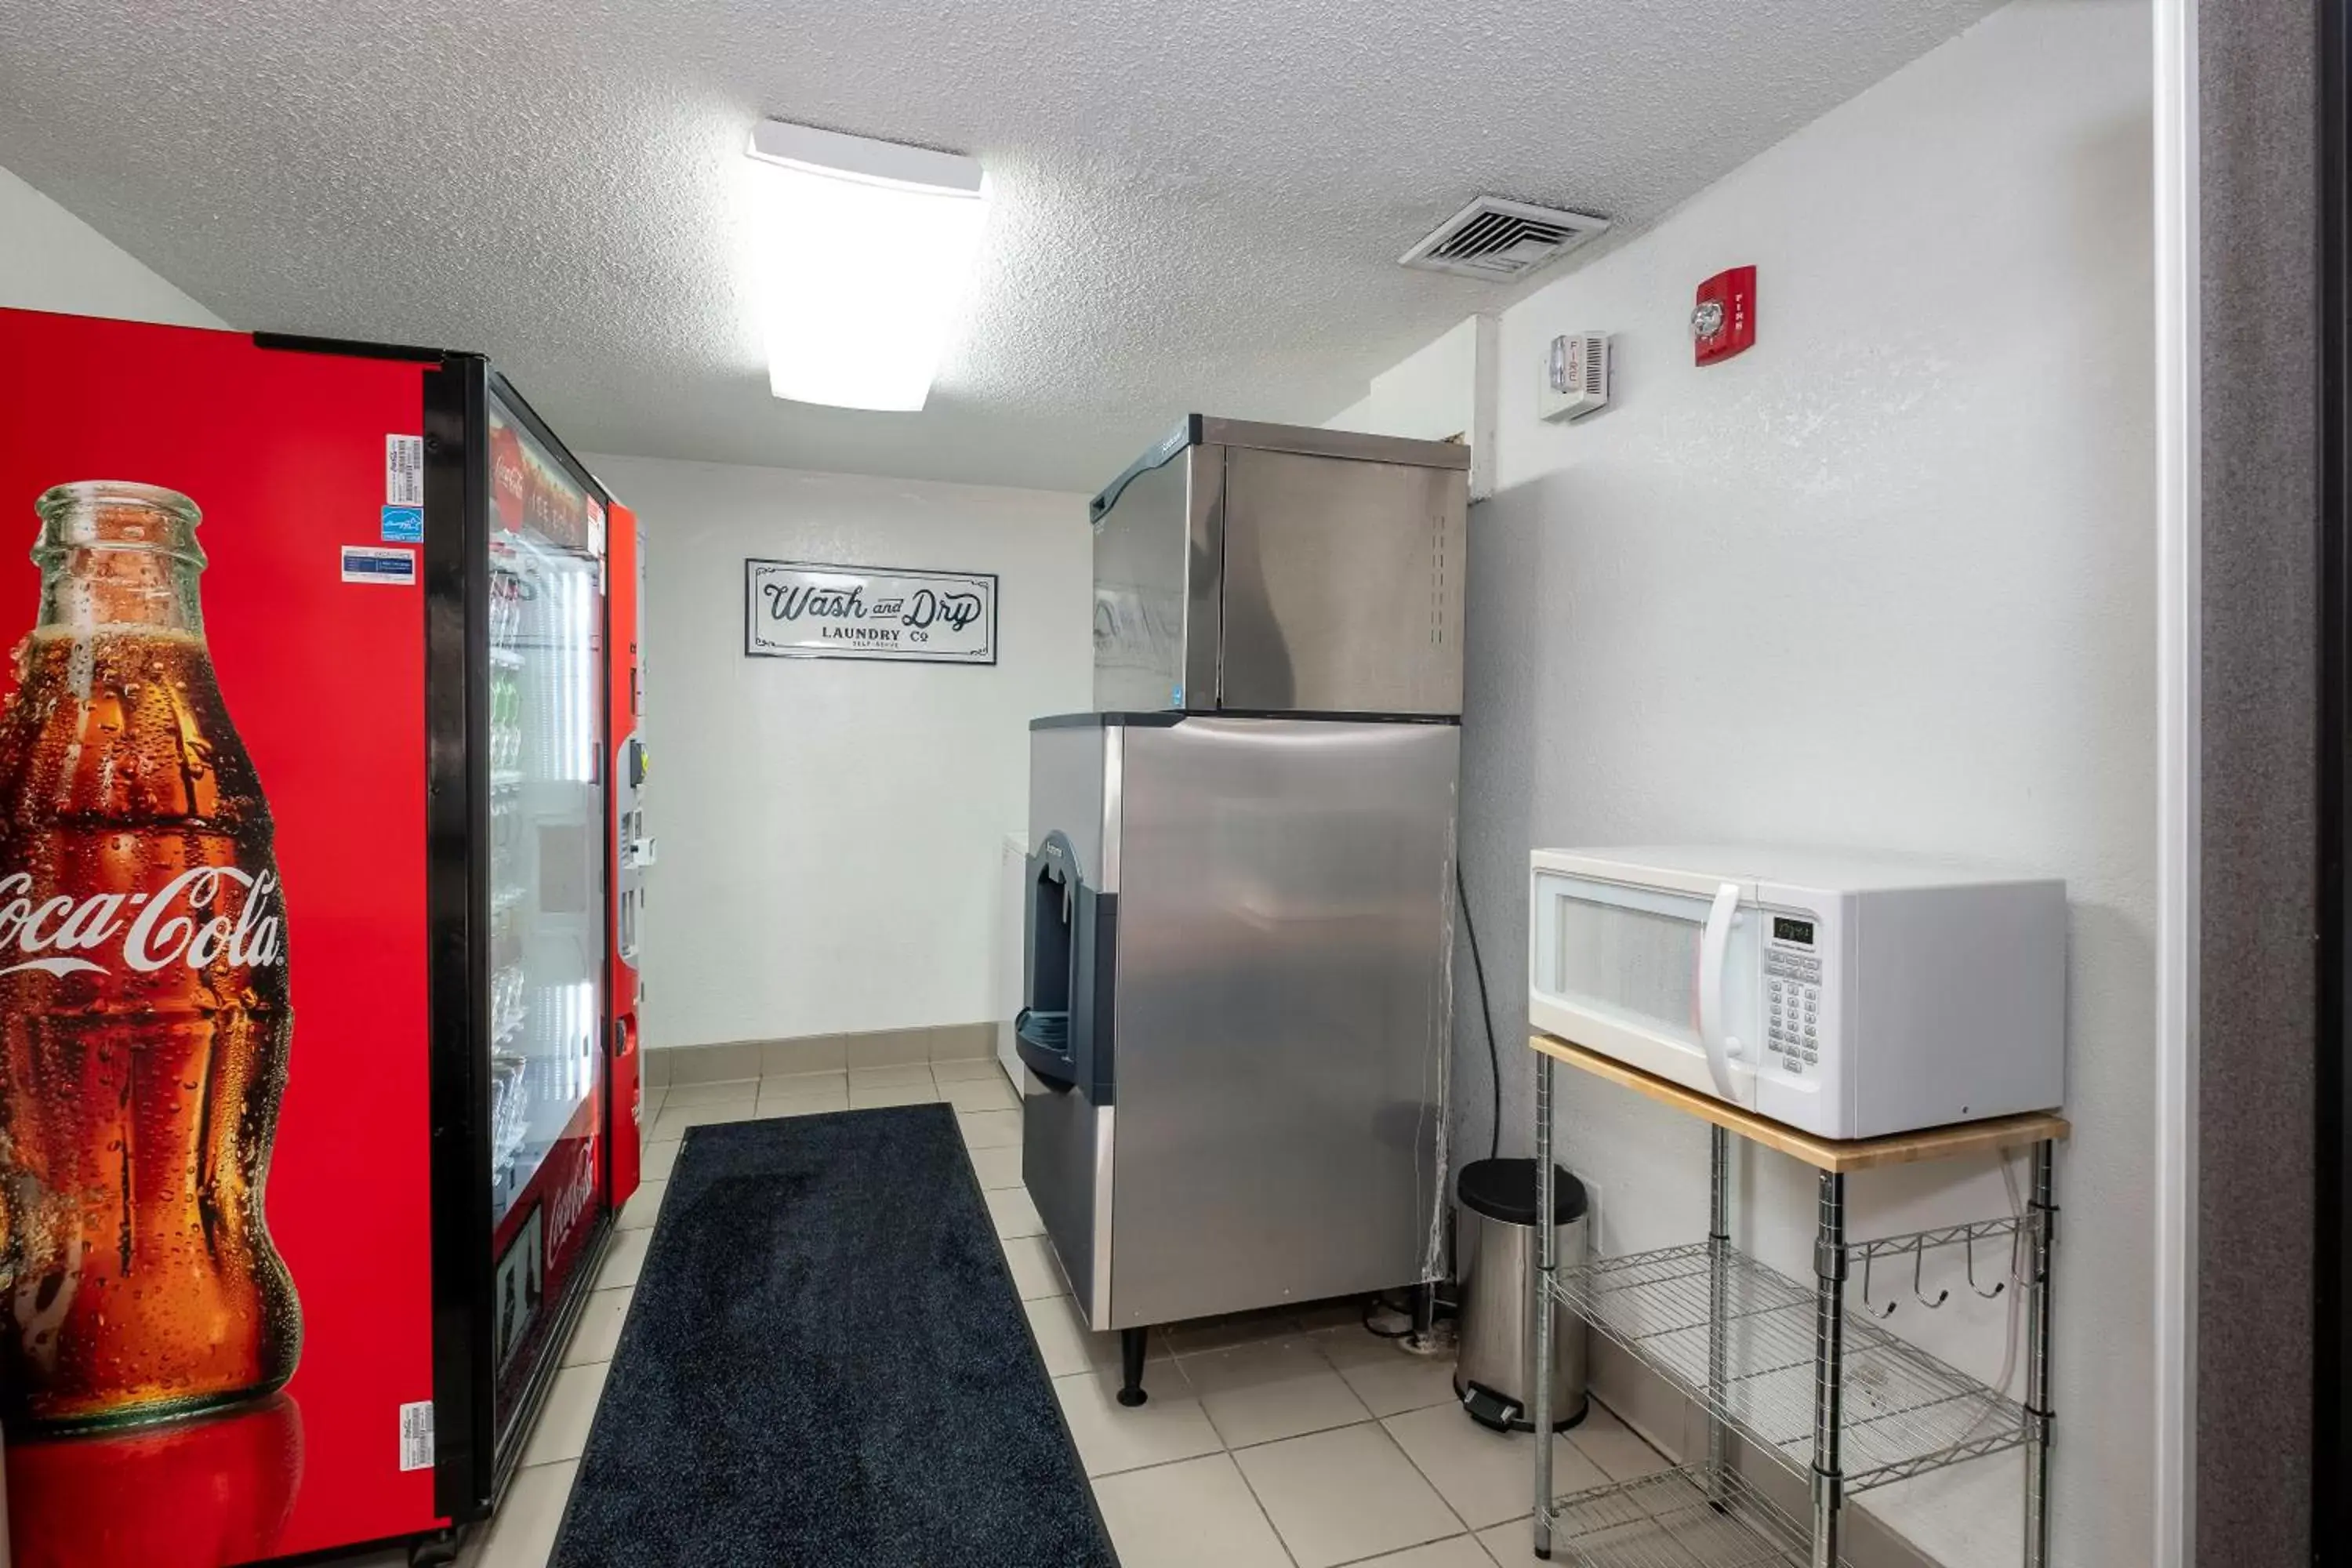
point(1918, 1261)
point(1868, 1305)
point(1970, 1251)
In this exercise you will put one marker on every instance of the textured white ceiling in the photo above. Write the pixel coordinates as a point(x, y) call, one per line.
point(1198, 206)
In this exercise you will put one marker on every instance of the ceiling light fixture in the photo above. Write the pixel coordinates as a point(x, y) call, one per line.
point(865, 251)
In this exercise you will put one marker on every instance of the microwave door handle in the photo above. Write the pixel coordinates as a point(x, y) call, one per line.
point(1714, 954)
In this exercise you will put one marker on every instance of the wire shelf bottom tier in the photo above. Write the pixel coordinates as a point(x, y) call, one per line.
point(1671, 1520)
point(1906, 1412)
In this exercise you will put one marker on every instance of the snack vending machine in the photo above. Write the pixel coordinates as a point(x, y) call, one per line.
point(313, 1080)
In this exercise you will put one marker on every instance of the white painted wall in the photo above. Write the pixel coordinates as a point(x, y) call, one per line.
point(51, 260)
point(829, 830)
point(1443, 391)
point(1887, 580)
point(1429, 396)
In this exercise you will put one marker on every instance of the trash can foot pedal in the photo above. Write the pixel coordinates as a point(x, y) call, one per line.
point(1499, 1411)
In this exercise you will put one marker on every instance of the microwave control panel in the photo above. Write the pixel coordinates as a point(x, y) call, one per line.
point(1793, 985)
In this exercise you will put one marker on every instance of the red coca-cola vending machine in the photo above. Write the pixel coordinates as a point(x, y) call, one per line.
point(317, 1047)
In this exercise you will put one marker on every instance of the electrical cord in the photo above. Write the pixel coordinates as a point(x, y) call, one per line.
point(2016, 1303)
point(1485, 1012)
point(2016, 1296)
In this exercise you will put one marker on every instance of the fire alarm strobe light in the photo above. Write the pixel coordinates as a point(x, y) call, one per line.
point(1576, 377)
point(1723, 321)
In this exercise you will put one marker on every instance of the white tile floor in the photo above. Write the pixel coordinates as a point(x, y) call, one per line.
point(1272, 1441)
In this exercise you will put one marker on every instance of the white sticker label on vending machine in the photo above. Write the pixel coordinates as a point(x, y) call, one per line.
point(417, 1435)
point(404, 470)
point(364, 563)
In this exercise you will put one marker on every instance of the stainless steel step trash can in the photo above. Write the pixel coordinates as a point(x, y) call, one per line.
point(1494, 1248)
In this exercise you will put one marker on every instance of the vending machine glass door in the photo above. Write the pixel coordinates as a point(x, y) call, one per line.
point(545, 718)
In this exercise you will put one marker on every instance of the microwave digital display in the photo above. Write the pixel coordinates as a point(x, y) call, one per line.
point(1787, 929)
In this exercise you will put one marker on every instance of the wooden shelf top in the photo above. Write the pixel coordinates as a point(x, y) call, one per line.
point(1821, 1154)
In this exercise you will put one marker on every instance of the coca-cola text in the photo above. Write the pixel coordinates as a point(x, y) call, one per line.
point(166, 927)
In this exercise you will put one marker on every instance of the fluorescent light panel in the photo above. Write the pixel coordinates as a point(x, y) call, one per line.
point(865, 252)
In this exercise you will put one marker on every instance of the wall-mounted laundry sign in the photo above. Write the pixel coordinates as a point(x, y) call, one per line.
point(800, 609)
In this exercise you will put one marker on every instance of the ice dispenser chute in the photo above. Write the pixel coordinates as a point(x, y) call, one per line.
point(1063, 1033)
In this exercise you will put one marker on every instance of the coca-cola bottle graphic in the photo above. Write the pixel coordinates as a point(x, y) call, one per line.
point(143, 1014)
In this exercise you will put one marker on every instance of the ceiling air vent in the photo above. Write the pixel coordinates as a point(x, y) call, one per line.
point(1501, 240)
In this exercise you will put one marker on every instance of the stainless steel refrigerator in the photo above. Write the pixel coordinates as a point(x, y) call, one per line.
point(1238, 936)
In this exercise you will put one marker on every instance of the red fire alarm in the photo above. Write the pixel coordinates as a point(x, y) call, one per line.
point(1723, 322)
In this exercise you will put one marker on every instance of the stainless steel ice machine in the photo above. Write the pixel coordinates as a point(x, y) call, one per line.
point(1236, 1006)
point(1238, 947)
point(1272, 568)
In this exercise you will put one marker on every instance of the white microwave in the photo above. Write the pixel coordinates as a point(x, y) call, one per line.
point(1847, 995)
